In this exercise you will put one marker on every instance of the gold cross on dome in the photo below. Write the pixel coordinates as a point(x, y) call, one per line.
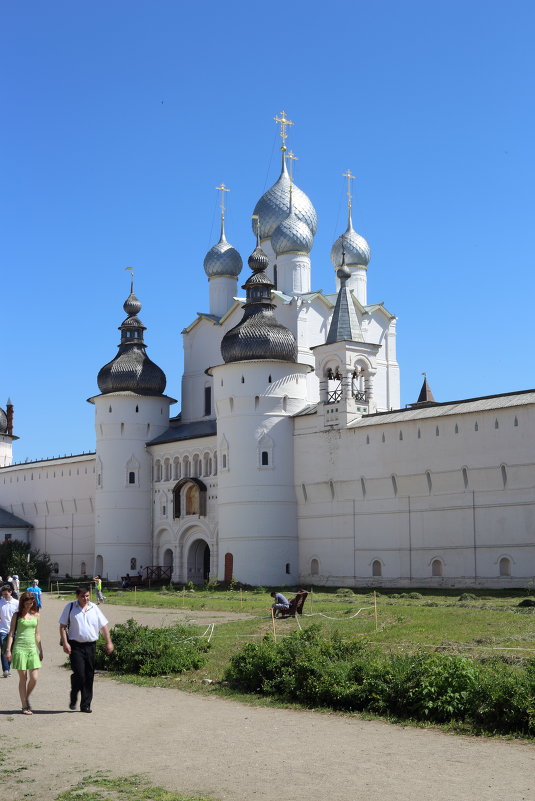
point(347, 174)
point(222, 189)
point(283, 123)
point(291, 155)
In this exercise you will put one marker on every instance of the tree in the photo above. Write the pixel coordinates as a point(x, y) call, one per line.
point(19, 558)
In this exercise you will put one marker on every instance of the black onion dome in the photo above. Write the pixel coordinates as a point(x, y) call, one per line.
point(132, 370)
point(258, 335)
point(3, 422)
point(132, 305)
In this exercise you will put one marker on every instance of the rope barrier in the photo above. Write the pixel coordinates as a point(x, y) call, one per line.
point(347, 617)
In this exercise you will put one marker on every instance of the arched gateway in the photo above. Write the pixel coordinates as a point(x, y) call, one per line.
point(198, 562)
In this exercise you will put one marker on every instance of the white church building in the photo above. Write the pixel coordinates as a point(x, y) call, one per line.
point(290, 461)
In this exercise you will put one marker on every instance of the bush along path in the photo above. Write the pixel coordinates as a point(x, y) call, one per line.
point(152, 651)
point(317, 670)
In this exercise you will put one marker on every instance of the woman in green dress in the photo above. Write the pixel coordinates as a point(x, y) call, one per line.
point(24, 647)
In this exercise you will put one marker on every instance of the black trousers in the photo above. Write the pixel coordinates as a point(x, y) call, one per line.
point(82, 660)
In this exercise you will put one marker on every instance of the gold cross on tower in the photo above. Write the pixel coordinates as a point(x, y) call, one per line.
point(350, 178)
point(222, 189)
point(292, 158)
point(283, 123)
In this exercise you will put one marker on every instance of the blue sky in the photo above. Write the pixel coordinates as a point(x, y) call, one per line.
point(431, 105)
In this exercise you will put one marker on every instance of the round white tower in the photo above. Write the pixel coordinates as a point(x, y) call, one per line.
point(131, 411)
point(257, 391)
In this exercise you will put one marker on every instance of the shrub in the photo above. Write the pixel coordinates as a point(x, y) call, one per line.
point(345, 592)
point(152, 652)
point(467, 596)
point(319, 670)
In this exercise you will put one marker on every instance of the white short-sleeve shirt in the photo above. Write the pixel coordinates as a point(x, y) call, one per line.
point(84, 624)
point(7, 610)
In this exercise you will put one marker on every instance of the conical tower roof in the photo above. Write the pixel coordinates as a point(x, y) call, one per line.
point(344, 324)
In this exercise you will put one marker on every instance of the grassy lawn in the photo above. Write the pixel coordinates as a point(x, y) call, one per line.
point(489, 623)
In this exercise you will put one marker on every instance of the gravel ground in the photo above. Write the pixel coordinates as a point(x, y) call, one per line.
point(204, 744)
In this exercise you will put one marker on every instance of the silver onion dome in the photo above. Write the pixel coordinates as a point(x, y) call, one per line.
point(222, 258)
point(357, 250)
point(132, 370)
point(274, 206)
point(292, 235)
point(258, 335)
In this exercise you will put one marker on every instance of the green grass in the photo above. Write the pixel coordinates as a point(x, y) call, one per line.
point(129, 788)
point(490, 624)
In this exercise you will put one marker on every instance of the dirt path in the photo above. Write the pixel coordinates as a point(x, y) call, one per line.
point(200, 744)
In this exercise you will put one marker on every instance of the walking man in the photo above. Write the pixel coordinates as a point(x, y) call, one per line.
point(79, 627)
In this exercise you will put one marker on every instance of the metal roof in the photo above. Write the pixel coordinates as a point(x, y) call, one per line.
point(485, 404)
point(7, 520)
point(182, 431)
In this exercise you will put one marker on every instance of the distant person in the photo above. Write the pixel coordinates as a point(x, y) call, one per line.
point(98, 589)
point(8, 607)
point(79, 627)
point(27, 650)
point(281, 602)
point(36, 589)
point(16, 586)
point(10, 582)
point(127, 582)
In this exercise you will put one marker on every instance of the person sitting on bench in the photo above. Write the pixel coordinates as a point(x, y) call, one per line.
point(281, 604)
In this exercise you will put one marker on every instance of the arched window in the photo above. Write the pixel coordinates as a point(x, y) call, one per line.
point(377, 568)
point(176, 468)
point(265, 458)
point(436, 567)
point(83, 569)
point(314, 567)
point(288, 568)
point(505, 566)
point(157, 470)
point(189, 498)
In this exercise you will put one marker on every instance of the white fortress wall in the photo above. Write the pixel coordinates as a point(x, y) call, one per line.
point(456, 489)
point(57, 497)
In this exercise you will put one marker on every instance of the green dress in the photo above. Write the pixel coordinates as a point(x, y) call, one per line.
point(24, 651)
